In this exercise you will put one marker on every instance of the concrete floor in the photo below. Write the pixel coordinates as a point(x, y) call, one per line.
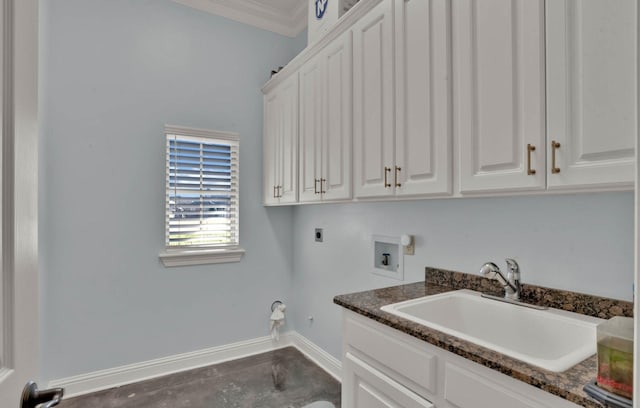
point(282, 378)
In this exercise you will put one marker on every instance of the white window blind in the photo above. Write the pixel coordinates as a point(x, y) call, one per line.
point(201, 188)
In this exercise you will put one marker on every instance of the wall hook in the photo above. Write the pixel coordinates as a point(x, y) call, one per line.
point(275, 304)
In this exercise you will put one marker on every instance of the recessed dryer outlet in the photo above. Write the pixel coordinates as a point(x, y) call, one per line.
point(388, 259)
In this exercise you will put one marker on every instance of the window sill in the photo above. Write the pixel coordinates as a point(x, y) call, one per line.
point(186, 257)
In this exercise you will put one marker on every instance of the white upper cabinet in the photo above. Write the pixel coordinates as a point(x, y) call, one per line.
point(402, 100)
point(591, 92)
point(325, 123)
point(281, 143)
point(433, 98)
point(499, 94)
point(423, 159)
point(374, 102)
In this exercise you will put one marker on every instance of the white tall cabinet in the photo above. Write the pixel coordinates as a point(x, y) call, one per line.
point(500, 94)
point(281, 143)
point(591, 92)
point(325, 123)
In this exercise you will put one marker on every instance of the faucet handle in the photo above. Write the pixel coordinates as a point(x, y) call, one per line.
point(512, 265)
point(514, 273)
point(514, 278)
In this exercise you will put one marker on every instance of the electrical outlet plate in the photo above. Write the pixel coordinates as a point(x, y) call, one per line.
point(410, 249)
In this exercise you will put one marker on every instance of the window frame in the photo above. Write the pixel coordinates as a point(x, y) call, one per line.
point(192, 255)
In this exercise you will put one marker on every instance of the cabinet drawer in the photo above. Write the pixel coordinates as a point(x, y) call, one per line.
point(466, 389)
point(366, 387)
point(395, 351)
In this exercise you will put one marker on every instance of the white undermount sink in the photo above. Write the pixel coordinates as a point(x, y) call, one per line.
point(551, 339)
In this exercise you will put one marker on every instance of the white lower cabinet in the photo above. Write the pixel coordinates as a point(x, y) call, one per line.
point(382, 367)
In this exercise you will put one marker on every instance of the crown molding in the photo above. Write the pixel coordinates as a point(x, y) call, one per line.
point(285, 21)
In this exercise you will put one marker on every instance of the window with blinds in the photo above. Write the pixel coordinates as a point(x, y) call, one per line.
point(202, 189)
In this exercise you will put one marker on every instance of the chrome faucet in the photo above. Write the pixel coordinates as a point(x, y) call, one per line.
point(511, 283)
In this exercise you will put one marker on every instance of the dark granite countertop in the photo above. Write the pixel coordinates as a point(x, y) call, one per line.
point(567, 384)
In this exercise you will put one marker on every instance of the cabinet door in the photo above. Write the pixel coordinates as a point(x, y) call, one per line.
point(499, 88)
point(424, 159)
point(287, 171)
point(373, 102)
point(311, 124)
point(592, 108)
point(280, 180)
point(271, 149)
point(365, 387)
point(338, 113)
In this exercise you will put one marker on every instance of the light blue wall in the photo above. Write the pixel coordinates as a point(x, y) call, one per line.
point(112, 74)
point(300, 42)
point(582, 243)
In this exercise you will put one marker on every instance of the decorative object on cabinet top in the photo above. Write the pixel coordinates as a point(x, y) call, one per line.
point(567, 384)
point(344, 24)
point(275, 71)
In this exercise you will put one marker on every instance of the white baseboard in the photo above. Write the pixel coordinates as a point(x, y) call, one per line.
point(118, 376)
point(329, 363)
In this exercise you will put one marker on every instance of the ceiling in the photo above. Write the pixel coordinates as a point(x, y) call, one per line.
point(286, 17)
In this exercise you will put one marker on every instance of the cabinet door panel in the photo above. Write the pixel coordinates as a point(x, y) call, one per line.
point(270, 148)
point(366, 387)
point(311, 123)
point(423, 136)
point(591, 63)
point(338, 135)
point(373, 100)
point(288, 146)
point(499, 65)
